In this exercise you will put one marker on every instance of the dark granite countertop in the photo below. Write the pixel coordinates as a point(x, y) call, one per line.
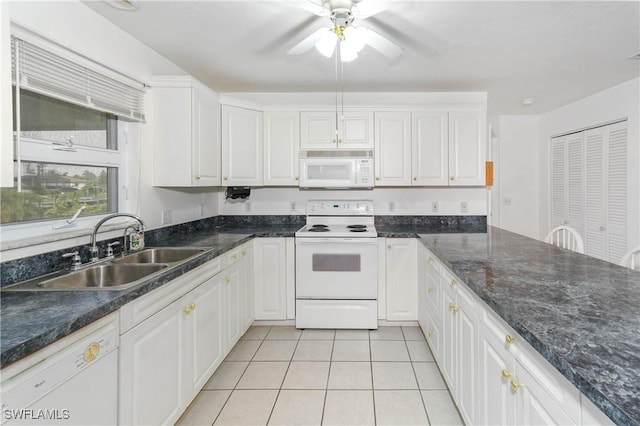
point(31, 320)
point(580, 313)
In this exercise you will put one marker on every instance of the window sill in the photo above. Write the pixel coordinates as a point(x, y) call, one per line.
point(32, 245)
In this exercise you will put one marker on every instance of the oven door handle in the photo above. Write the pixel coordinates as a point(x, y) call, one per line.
point(313, 240)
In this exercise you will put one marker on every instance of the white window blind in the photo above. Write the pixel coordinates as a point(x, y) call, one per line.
point(52, 75)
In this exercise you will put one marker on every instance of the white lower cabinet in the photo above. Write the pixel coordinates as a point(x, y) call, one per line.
point(270, 275)
point(175, 337)
point(152, 369)
point(248, 284)
point(460, 348)
point(495, 377)
point(167, 358)
point(401, 280)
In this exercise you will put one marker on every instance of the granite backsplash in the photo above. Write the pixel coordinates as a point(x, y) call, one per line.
point(17, 270)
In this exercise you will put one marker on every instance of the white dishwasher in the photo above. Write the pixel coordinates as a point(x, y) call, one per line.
point(75, 385)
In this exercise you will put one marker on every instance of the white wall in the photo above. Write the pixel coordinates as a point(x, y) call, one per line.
point(387, 201)
point(516, 168)
point(622, 101)
point(77, 27)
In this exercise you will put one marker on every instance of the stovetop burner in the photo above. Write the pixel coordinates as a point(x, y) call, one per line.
point(318, 229)
point(352, 220)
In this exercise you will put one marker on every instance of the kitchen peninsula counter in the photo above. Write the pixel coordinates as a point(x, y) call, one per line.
point(580, 313)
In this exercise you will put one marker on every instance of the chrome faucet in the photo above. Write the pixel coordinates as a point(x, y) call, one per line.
point(93, 250)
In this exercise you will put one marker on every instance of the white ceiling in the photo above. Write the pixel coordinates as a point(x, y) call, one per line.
point(554, 52)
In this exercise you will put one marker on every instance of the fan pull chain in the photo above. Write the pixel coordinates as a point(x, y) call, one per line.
point(336, 69)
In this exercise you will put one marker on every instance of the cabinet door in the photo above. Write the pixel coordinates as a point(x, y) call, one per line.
point(467, 148)
point(435, 338)
point(429, 146)
point(172, 136)
point(270, 279)
point(534, 406)
point(393, 148)
point(355, 130)
point(318, 130)
point(152, 369)
point(401, 282)
point(281, 146)
point(206, 138)
point(247, 280)
point(241, 147)
point(233, 305)
point(449, 349)
point(204, 334)
point(467, 330)
point(497, 366)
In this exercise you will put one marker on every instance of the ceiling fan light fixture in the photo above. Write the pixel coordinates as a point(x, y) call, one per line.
point(326, 44)
point(347, 52)
point(356, 37)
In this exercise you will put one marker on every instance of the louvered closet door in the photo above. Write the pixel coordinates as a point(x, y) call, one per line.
point(595, 223)
point(575, 182)
point(558, 181)
point(617, 191)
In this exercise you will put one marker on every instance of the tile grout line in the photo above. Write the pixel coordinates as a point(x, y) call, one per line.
point(275, 401)
point(239, 378)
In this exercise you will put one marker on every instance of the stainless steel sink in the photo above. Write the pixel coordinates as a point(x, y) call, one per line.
point(115, 274)
point(159, 255)
point(102, 276)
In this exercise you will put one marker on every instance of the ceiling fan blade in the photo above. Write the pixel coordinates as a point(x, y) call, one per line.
point(366, 8)
point(383, 44)
point(315, 8)
point(308, 43)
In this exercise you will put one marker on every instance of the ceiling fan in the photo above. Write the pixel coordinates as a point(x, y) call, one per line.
point(343, 33)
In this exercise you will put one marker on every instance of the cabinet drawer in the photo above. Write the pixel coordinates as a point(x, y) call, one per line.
point(433, 264)
point(142, 308)
point(232, 256)
point(449, 280)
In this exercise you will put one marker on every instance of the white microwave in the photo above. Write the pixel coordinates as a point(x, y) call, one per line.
point(337, 169)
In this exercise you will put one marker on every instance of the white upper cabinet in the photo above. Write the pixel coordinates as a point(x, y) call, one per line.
point(467, 148)
point(393, 148)
point(326, 130)
point(430, 148)
point(186, 138)
point(242, 150)
point(281, 146)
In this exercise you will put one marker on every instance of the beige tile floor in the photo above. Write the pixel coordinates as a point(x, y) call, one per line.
point(283, 376)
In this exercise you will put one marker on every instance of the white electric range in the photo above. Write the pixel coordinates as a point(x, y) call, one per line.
point(337, 266)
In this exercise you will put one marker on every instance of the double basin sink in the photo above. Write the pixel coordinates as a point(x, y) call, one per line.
point(116, 274)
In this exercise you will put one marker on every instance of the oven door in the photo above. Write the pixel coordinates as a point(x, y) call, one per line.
point(336, 268)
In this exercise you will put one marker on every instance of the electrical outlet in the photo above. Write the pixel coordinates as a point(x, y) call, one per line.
point(434, 207)
point(506, 201)
point(202, 209)
point(464, 207)
point(293, 206)
point(247, 206)
point(167, 216)
point(392, 206)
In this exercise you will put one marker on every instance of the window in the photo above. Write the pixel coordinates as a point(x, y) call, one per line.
point(44, 190)
point(67, 111)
